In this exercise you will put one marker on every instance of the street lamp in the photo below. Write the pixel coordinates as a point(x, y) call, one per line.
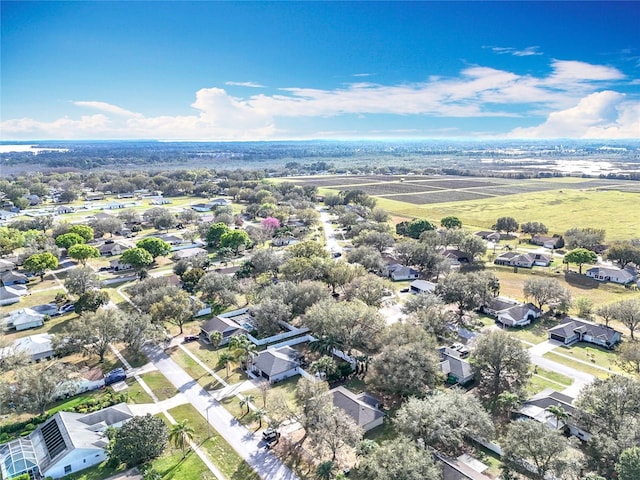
point(208, 424)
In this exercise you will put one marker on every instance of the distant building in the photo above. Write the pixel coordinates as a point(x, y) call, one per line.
point(24, 319)
point(547, 242)
point(398, 272)
point(422, 286)
point(611, 274)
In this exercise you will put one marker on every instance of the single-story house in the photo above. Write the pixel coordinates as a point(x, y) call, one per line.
point(201, 207)
point(6, 215)
point(575, 330)
point(111, 249)
point(50, 309)
point(114, 205)
point(398, 272)
point(284, 241)
point(63, 210)
point(118, 267)
point(64, 444)
point(159, 200)
point(611, 274)
point(126, 195)
point(229, 324)
point(12, 278)
point(6, 265)
point(24, 319)
point(38, 346)
point(188, 253)
point(102, 216)
point(91, 196)
point(497, 304)
point(525, 260)
point(363, 408)
point(547, 242)
point(519, 315)
point(219, 202)
point(9, 295)
point(535, 408)
point(276, 364)
point(457, 370)
point(86, 380)
point(489, 235)
point(170, 239)
point(456, 256)
point(422, 286)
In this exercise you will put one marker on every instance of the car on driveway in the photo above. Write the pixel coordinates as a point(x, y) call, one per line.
point(190, 338)
point(270, 435)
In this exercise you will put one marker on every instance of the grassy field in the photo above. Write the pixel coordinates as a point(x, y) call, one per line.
point(136, 392)
point(557, 209)
point(209, 356)
point(593, 354)
point(542, 379)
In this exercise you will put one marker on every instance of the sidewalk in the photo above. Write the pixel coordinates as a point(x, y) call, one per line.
point(246, 443)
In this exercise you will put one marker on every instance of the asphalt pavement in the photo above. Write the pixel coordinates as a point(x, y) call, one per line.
point(247, 444)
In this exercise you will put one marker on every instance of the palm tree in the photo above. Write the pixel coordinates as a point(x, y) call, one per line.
point(224, 360)
point(559, 413)
point(508, 402)
point(247, 401)
point(215, 338)
point(324, 471)
point(259, 414)
point(325, 344)
point(180, 435)
point(242, 348)
point(324, 365)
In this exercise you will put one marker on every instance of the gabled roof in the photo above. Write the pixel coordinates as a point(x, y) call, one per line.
point(6, 264)
point(576, 325)
point(189, 252)
point(518, 312)
point(34, 345)
point(7, 293)
point(362, 412)
point(226, 326)
point(13, 276)
point(452, 363)
point(276, 361)
point(423, 285)
point(501, 303)
point(25, 315)
point(625, 274)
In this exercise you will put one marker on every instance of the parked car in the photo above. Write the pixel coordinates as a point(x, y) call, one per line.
point(115, 376)
point(460, 348)
point(191, 338)
point(270, 435)
point(69, 307)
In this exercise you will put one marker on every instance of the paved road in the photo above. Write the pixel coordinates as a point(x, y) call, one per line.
point(580, 379)
point(329, 232)
point(247, 444)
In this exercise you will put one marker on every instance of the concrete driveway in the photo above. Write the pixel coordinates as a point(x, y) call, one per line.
point(247, 444)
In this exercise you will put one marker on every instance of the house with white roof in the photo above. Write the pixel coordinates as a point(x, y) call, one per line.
point(37, 347)
point(6, 265)
point(64, 444)
point(24, 319)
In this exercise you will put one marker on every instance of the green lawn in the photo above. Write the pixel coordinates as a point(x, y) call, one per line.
point(218, 450)
point(554, 376)
point(596, 372)
point(35, 298)
point(535, 332)
point(209, 356)
point(136, 393)
point(592, 353)
point(97, 472)
point(194, 370)
point(159, 384)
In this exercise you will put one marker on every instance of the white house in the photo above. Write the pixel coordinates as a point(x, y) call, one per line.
point(422, 286)
point(118, 267)
point(159, 200)
point(24, 319)
point(363, 408)
point(37, 347)
point(519, 315)
point(6, 265)
point(611, 274)
point(399, 272)
point(64, 444)
point(9, 295)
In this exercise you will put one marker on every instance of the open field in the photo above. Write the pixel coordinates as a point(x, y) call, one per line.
point(560, 203)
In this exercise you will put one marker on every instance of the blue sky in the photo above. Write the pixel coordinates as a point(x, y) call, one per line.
point(304, 70)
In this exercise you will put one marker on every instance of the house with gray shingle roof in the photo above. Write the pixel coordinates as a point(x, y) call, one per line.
point(519, 315)
point(276, 364)
point(24, 319)
point(457, 370)
point(611, 274)
point(13, 278)
point(64, 444)
point(6, 265)
point(363, 408)
point(574, 330)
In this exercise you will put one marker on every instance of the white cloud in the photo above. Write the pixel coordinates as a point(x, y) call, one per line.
point(525, 52)
point(244, 84)
point(476, 92)
point(107, 108)
point(603, 114)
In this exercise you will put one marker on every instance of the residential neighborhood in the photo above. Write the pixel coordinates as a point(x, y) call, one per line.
point(292, 328)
